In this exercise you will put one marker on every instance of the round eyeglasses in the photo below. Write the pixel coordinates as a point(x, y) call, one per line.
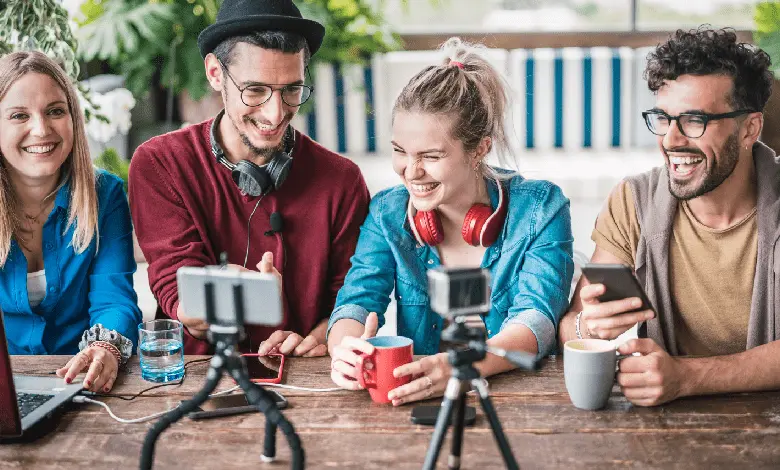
point(691, 125)
point(256, 95)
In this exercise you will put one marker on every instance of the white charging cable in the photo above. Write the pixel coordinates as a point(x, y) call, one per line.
point(305, 389)
point(83, 399)
point(289, 387)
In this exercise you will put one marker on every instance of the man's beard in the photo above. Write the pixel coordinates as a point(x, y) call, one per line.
point(722, 169)
point(263, 154)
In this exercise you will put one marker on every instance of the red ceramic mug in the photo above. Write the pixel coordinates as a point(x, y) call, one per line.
point(375, 371)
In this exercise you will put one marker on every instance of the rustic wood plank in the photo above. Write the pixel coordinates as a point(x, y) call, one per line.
point(346, 430)
point(406, 450)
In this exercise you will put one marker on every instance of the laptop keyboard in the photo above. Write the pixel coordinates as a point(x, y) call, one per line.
point(30, 401)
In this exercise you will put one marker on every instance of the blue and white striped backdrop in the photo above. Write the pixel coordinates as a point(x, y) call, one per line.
point(561, 98)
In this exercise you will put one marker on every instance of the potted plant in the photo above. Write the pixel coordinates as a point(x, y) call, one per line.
point(43, 25)
point(136, 37)
point(767, 37)
point(111, 161)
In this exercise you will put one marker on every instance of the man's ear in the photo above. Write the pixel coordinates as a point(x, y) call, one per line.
point(751, 128)
point(214, 73)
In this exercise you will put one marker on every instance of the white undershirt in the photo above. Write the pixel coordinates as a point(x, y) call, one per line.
point(36, 287)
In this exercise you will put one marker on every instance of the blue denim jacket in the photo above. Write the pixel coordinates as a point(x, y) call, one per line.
point(530, 265)
point(82, 289)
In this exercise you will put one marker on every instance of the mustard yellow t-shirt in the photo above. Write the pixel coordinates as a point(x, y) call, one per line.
point(710, 272)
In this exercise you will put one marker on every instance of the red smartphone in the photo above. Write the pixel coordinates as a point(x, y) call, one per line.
point(265, 369)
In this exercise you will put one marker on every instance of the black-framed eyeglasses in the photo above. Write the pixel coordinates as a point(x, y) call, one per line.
point(256, 95)
point(691, 125)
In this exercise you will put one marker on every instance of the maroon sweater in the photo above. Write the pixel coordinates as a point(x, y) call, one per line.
point(187, 210)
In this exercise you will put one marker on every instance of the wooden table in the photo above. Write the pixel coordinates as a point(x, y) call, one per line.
point(345, 430)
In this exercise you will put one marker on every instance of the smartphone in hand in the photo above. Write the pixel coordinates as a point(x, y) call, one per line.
point(620, 283)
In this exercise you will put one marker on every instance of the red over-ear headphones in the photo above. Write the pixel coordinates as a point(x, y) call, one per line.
point(480, 227)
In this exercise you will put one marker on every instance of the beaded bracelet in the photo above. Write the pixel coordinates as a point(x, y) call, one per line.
point(110, 348)
point(577, 326)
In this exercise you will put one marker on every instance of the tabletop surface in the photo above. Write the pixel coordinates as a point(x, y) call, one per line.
point(345, 430)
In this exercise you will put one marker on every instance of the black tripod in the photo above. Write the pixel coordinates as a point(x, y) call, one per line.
point(227, 358)
point(454, 403)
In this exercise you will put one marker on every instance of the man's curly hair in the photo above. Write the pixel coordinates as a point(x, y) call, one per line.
point(706, 51)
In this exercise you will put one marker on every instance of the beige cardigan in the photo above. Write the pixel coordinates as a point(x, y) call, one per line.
point(656, 207)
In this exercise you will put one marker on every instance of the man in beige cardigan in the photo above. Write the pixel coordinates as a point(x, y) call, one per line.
point(700, 232)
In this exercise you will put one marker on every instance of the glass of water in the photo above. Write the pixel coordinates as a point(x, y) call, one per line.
point(161, 349)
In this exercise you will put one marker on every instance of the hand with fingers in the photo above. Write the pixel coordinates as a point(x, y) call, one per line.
point(196, 327)
point(101, 366)
point(429, 379)
point(269, 362)
point(290, 343)
point(343, 358)
point(287, 342)
point(653, 378)
point(608, 320)
point(266, 265)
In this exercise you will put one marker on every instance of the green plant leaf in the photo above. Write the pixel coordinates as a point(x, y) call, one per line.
point(767, 34)
point(110, 161)
point(125, 29)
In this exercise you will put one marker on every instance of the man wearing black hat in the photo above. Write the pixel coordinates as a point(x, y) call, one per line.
point(248, 184)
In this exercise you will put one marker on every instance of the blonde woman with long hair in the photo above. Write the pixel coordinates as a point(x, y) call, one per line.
point(453, 209)
point(66, 251)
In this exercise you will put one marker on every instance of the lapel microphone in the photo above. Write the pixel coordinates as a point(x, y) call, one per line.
point(277, 224)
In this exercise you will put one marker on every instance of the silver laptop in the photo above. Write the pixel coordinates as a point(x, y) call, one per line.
point(26, 400)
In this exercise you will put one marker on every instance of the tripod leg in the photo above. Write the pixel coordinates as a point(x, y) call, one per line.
point(457, 432)
point(495, 424)
point(269, 443)
point(442, 422)
point(257, 397)
point(212, 380)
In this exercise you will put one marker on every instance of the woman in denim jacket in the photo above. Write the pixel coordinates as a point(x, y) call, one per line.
point(445, 122)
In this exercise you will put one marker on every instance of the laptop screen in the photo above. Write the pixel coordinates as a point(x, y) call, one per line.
point(10, 424)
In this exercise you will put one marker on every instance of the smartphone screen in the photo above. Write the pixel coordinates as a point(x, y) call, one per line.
point(225, 401)
point(427, 415)
point(227, 405)
point(265, 368)
point(619, 281)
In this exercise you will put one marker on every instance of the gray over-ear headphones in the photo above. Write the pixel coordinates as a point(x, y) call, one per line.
point(255, 180)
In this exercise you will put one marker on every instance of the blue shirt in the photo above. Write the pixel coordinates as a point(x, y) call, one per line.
point(530, 264)
point(82, 289)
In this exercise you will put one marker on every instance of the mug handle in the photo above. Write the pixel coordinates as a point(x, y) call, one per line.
point(369, 382)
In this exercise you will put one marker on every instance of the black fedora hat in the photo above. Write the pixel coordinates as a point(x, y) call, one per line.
point(239, 17)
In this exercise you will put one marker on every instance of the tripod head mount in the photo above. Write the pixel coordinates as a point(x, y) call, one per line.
point(476, 347)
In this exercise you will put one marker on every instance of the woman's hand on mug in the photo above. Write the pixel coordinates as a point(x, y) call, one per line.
point(343, 357)
point(429, 379)
point(608, 320)
point(101, 366)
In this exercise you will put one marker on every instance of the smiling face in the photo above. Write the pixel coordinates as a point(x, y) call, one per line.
point(260, 128)
point(36, 134)
point(433, 166)
point(698, 166)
